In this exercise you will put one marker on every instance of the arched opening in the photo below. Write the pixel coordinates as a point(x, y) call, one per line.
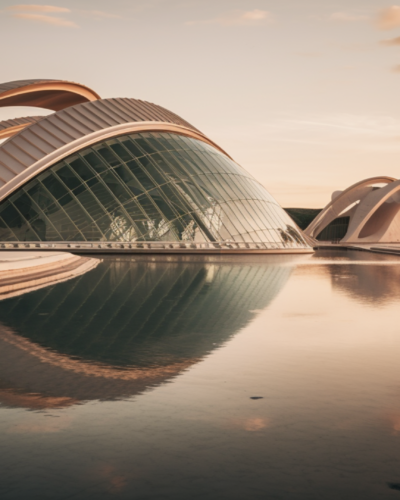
point(335, 231)
point(383, 217)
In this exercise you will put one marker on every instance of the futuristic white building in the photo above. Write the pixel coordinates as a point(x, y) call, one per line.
point(125, 175)
point(367, 212)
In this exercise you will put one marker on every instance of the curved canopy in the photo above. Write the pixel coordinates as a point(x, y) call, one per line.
point(48, 94)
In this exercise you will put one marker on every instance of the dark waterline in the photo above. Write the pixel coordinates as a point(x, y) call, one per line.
point(218, 378)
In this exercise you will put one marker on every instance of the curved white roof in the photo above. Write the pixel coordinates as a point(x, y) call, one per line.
point(343, 201)
point(374, 213)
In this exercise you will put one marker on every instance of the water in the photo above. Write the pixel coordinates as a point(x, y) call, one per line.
point(137, 381)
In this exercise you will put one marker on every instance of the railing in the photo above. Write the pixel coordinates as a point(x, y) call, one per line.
point(142, 246)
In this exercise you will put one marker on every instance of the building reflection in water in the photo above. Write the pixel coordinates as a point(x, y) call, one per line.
point(127, 325)
point(376, 281)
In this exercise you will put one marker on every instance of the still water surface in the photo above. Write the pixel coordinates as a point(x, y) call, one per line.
point(205, 378)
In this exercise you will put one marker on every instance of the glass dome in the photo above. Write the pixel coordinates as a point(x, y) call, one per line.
point(152, 186)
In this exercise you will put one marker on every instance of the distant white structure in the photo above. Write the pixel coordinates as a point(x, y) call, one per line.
point(366, 212)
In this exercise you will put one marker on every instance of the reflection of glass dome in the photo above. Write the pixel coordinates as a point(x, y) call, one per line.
point(135, 324)
point(125, 174)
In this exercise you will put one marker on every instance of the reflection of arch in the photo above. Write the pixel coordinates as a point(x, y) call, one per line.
point(9, 128)
point(61, 134)
point(342, 202)
point(378, 283)
point(48, 94)
point(140, 323)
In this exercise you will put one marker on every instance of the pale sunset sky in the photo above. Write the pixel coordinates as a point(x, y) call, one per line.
point(304, 94)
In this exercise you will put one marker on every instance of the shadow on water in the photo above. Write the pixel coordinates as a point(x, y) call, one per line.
point(127, 325)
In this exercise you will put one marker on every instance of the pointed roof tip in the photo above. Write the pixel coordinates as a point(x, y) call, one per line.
point(48, 94)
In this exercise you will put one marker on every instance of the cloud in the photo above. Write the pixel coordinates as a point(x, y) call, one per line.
point(39, 13)
point(99, 14)
point(389, 18)
point(256, 15)
point(346, 125)
point(346, 17)
point(37, 8)
point(392, 41)
point(361, 132)
point(239, 18)
point(41, 18)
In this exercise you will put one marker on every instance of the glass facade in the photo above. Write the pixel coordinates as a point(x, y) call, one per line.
point(335, 231)
point(146, 187)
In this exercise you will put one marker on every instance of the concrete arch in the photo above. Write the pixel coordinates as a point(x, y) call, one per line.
point(369, 212)
point(343, 201)
point(48, 94)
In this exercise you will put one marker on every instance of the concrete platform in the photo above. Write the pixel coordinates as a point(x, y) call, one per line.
point(383, 248)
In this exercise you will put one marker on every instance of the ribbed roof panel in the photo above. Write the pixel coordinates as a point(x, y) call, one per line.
point(44, 135)
point(41, 93)
point(4, 87)
point(11, 127)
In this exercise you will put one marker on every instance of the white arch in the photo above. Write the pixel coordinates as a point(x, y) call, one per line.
point(365, 211)
point(336, 206)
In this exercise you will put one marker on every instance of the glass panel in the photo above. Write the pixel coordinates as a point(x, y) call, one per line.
point(108, 156)
point(91, 204)
point(152, 140)
point(6, 234)
point(116, 187)
point(129, 180)
point(68, 177)
point(210, 188)
point(103, 195)
point(137, 170)
point(143, 144)
point(81, 169)
point(94, 161)
point(153, 166)
point(120, 151)
point(53, 185)
point(180, 164)
point(131, 146)
point(10, 215)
